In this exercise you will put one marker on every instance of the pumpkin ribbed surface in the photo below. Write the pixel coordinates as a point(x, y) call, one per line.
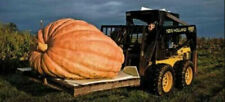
point(74, 49)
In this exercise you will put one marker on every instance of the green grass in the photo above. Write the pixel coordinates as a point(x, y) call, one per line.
point(208, 86)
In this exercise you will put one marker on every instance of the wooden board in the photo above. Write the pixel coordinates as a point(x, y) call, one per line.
point(128, 77)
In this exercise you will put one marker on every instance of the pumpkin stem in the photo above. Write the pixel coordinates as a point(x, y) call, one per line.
point(42, 47)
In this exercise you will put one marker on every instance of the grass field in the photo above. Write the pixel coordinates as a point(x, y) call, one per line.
point(208, 86)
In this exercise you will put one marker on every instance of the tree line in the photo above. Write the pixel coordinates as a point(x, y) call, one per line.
point(15, 47)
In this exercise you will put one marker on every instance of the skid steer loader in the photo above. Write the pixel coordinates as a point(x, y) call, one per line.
point(166, 56)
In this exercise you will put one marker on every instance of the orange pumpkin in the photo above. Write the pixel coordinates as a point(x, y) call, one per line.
point(74, 49)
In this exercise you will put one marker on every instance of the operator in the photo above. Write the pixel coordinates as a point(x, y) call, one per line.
point(151, 27)
point(150, 40)
point(151, 34)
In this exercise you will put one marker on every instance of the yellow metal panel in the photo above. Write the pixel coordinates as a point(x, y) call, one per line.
point(183, 50)
point(173, 59)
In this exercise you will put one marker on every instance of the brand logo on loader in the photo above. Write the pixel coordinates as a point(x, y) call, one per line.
point(179, 30)
point(176, 30)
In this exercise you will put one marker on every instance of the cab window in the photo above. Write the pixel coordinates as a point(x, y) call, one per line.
point(168, 23)
point(139, 22)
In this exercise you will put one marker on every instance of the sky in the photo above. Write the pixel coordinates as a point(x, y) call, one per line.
point(207, 15)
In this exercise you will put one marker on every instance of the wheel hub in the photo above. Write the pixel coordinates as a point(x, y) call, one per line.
point(188, 76)
point(167, 81)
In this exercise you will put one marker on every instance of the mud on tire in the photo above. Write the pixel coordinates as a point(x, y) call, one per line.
point(184, 72)
point(154, 77)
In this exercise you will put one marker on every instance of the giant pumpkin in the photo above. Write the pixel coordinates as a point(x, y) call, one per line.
point(74, 49)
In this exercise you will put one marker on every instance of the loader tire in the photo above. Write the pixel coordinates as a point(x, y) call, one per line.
point(184, 71)
point(160, 79)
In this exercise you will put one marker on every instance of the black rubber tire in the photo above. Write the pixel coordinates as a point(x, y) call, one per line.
point(180, 69)
point(154, 76)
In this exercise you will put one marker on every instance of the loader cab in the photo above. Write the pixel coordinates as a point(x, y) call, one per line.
point(160, 20)
point(166, 42)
